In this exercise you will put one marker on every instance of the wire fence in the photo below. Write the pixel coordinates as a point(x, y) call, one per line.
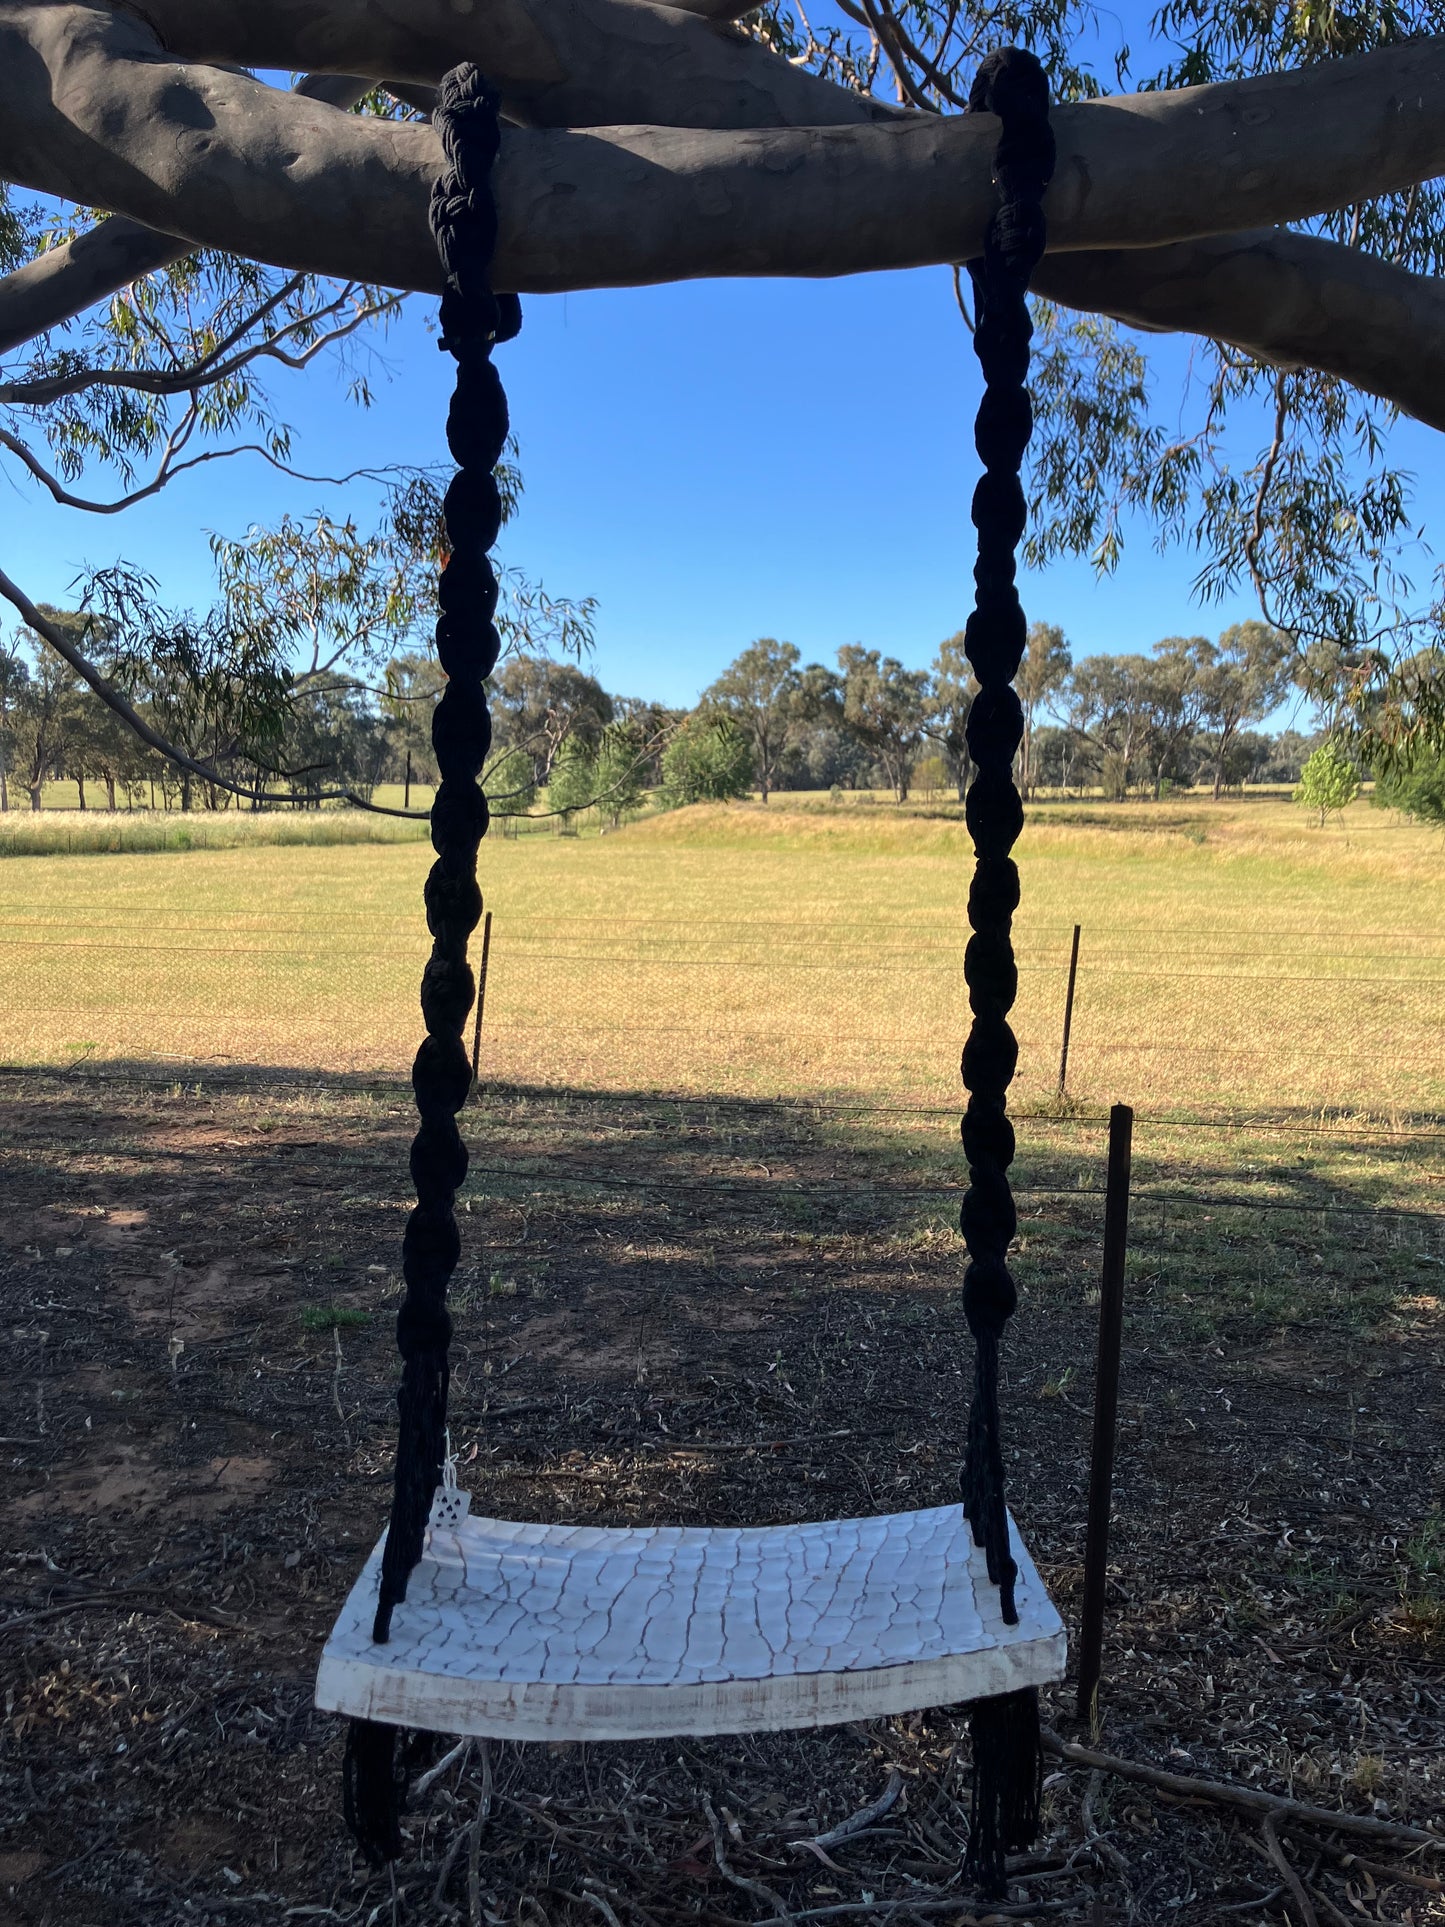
point(1211, 1019)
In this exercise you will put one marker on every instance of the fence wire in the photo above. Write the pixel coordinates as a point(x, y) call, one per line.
point(649, 1004)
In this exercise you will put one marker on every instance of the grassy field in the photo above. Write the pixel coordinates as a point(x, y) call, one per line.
point(678, 1302)
point(1233, 956)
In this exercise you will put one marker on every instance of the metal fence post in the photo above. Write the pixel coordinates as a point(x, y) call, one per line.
point(1069, 1013)
point(1106, 1407)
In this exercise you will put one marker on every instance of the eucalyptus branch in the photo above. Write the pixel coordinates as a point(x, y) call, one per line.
point(211, 367)
point(1255, 536)
point(932, 73)
point(120, 705)
point(908, 88)
point(168, 468)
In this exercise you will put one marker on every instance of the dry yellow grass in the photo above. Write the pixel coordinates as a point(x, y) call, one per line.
point(1232, 956)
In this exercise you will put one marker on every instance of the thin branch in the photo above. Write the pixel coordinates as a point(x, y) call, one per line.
point(908, 88)
point(116, 701)
point(1269, 1832)
point(1255, 537)
point(168, 469)
point(930, 71)
point(956, 269)
point(757, 1888)
point(1289, 1813)
point(211, 368)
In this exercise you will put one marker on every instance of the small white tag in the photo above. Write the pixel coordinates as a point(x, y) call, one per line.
point(449, 1506)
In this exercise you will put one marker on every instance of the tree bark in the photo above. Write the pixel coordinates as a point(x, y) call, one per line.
point(95, 114)
point(89, 112)
point(568, 63)
point(1292, 300)
point(65, 280)
point(90, 109)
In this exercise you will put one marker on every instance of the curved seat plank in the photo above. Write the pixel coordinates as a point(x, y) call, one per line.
point(582, 1632)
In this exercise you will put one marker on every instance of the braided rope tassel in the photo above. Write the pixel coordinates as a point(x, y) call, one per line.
point(1012, 85)
point(474, 319)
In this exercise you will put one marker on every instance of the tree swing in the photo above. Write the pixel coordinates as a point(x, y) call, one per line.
point(527, 1631)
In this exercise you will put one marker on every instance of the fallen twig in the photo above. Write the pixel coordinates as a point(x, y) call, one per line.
point(474, 1841)
point(1288, 1813)
point(426, 1781)
point(1001, 1910)
point(855, 1824)
point(757, 1888)
point(604, 1907)
point(1269, 1833)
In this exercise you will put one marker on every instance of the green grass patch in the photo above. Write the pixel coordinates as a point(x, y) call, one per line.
point(328, 1318)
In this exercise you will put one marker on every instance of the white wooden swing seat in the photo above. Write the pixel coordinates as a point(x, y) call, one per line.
point(536, 1632)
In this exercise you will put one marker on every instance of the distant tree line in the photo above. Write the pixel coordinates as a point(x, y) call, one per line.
point(1187, 712)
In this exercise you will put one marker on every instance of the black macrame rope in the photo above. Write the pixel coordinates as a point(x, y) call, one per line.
point(1012, 85)
point(474, 319)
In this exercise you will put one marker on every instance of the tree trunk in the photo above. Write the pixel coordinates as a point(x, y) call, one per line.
point(110, 793)
point(80, 788)
point(35, 796)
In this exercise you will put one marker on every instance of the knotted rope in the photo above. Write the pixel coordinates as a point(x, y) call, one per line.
point(1012, 85)
point(474, 319)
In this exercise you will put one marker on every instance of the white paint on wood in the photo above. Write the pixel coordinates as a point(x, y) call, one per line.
point(582, 1632)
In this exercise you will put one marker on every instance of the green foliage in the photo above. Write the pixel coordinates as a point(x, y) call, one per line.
point(1417, 787)
point(1329, 781)
point(571, 781)
point(950, 696)
point(1242, 678)
point(1042, 672)
point(539, 705)
point(618, 768)
point(886, 707)
point(510, 782)
point(607, 775)
point(707, 761)
point(329, 1318)
point(759, 694)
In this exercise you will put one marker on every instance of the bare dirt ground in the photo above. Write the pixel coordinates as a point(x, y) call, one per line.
point(701, 1313)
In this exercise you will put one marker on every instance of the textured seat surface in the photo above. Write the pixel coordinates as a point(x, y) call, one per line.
point(582, 1632)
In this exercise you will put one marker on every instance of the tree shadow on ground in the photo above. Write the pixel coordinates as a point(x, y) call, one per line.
point(699, 1312)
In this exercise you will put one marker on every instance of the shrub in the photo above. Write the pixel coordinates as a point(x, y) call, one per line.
point(1329, 781)
point(707, 761)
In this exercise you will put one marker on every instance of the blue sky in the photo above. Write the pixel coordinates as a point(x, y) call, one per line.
point(713, 461)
